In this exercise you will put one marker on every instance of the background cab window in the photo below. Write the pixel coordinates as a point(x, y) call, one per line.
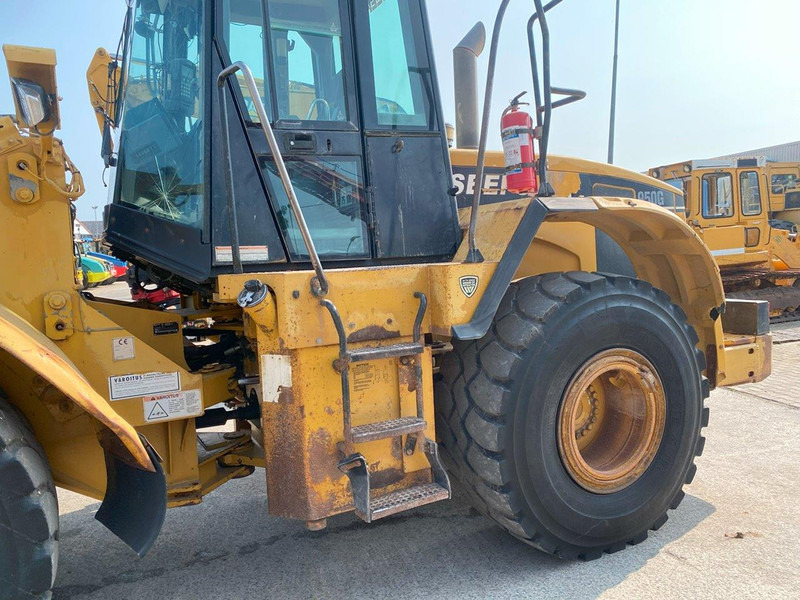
point(717, 195)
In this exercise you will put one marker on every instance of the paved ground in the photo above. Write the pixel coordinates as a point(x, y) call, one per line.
point(115, 291)
point(735, 535)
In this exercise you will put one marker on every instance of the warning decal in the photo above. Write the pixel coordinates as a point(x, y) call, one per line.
point(122, 387)
point(364, 376)
point(173, 406)
point(157, 412)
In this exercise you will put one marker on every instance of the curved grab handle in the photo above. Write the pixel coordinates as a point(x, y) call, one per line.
point(320, 287)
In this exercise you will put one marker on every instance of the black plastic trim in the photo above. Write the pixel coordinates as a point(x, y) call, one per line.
point(135, 503)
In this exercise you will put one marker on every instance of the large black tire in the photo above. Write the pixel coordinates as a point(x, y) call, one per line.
point(498, 400)
point(28, 512)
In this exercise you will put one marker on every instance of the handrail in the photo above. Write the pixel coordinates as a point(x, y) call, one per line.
point(543, 111)
point(320, 287)
point(544, 107)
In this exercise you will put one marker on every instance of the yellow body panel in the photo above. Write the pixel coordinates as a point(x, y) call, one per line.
point(748, 359)
point(30, 347)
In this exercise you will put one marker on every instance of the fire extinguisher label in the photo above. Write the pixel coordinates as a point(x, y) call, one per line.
point(512, 148)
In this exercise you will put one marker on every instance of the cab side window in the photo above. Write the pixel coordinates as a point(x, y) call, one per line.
point(717, 195)
point(400, 71)
point(307, 49)
point(243, 34)
point(784, 181)
point(750, 193)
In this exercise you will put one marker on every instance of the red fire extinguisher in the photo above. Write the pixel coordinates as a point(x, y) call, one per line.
point(516, 128)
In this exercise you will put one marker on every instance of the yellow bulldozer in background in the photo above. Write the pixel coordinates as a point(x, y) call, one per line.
point(355, 329)
point(746, 210)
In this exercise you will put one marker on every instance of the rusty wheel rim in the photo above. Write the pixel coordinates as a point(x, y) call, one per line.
point(611, 421)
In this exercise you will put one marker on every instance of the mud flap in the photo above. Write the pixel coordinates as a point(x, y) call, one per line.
point(135, 503)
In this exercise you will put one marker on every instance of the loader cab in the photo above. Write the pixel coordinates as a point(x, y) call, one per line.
point(351, 92)
point(727, 202)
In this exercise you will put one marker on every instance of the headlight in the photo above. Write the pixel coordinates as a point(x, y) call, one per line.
point(32, 101)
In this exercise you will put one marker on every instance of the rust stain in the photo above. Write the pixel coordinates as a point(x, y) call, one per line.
point(323, 458)
point(285, 395)
point(373, 333)
point(286, 485)
point(407, 377)
point(397, 449)
point(385, 478)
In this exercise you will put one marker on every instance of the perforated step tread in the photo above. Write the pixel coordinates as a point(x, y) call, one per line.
point(379, 352)
point(402, 500)
point(388, 429)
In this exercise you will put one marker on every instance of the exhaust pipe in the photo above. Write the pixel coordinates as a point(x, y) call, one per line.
point(465, 72)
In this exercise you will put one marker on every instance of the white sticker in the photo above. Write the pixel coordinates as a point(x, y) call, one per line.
point(224, 254)
point(512, 148)
point(173, 406)
point(276, 375)
point(143, 384)
point(123, 348)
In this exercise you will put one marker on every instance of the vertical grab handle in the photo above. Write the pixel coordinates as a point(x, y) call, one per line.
point(320, 286)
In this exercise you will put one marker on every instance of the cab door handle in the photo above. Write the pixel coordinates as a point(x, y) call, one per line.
point(301, 142)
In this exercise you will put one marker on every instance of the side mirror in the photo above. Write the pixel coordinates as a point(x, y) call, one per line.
point(32, 101)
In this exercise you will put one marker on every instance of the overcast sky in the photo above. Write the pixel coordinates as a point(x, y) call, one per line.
point(698, 78)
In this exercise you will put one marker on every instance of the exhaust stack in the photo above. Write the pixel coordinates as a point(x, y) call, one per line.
point(465, 72)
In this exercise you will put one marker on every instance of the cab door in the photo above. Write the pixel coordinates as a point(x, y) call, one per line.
point(754, 214)
point(407, 160)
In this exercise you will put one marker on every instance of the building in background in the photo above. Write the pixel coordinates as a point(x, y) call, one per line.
point(82, 233)
point(781, 153)
point(89, 233)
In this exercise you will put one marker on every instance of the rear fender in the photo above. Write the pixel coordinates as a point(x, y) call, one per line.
point(665, 252)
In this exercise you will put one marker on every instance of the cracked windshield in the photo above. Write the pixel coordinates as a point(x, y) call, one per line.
point(161, 169)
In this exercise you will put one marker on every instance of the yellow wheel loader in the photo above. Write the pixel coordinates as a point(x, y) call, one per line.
point(747, 210)
point(361, 345)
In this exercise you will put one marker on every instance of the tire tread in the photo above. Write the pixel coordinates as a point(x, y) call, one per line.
point(29, 500)
point(474, 419)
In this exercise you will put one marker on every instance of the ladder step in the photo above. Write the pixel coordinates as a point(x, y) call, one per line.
point(370, 509)
point(388, 429)
point(379, 352)
point(395, 502)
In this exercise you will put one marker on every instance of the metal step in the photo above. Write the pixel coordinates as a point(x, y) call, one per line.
point(395, 502)
point(370, 509)
point(387, 429)
point(379, 352)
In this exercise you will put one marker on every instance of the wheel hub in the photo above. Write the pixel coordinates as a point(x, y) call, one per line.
point(611, 421)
